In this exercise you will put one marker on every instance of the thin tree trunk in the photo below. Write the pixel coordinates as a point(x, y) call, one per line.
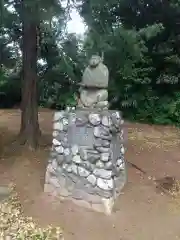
point(29, 132)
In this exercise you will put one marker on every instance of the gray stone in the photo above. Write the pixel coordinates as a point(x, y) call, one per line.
point(103, 193)
point(65, 165)
point(108, 166)
point(58, 115)
point(59, 170)
point(83, 172)
point(105, 130)
point(67, 152)
point(87, 165)
point(63, 192)
point(73, 177)
point(80, 184)
point(102, 173)
point(61, 136)
point(48, 175)
point(65, 143)
point(77, 194)
point(75, 150)
point(68, 158)
point(54, 164)
point(119, 161)
point(56, 142)
point(105, 184)
point(80, 194)
point(102, 132)
point(66, 127)
point(92, 151)
point(53, 154)
point(97, 191)
point(102, 104)
point(102, 149)
point(104, 157)
point(59, 149)
point(92, 179)
point(99, 164)
point(94, 119)
point(77, 159)
point(65, 121)
point(122, 150)
point(105, 143)
point(121, 134)
point(106, 121)
point(60, 159)
point(74, 168)
point(92, 158)
point(55, 182)
point(55, 133)
point(69, 168)
point(121, 166)
point(115, 121)
point(106, 137)
point(117, 114)
point(58, 126)
point(97, 132)
point(70, 185)
point(83, 154)
point(50, 160)
point(51, 169)
point(114, 130)
point(101, 143)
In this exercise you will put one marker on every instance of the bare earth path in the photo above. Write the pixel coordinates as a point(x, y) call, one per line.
point(141, 213)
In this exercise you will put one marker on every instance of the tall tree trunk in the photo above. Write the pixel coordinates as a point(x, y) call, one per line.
point(29, 131)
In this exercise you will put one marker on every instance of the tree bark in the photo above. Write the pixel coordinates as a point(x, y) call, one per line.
point(29, 132)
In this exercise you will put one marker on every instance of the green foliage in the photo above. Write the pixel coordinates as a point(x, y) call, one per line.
point(158, 110)
point(139, 41)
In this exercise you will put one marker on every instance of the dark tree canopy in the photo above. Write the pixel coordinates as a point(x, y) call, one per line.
point(139, 40)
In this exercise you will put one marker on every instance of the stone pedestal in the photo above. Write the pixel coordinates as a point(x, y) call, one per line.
point(87, 162)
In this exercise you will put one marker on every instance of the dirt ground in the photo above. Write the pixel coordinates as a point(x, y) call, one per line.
point(141, 212)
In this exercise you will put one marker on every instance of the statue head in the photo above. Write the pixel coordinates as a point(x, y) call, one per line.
point(96, 74)
point(94, 61)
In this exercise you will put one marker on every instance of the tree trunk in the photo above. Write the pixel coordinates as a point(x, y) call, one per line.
point(29, 132)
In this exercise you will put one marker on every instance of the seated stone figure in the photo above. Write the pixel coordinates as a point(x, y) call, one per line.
point(93, 91)
point(87, 164)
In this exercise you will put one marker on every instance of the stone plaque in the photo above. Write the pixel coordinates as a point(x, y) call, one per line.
point(80, 135)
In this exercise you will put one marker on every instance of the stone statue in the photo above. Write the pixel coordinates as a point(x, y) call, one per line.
point(93, 90)
point(87, 164)
point(96, 74)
